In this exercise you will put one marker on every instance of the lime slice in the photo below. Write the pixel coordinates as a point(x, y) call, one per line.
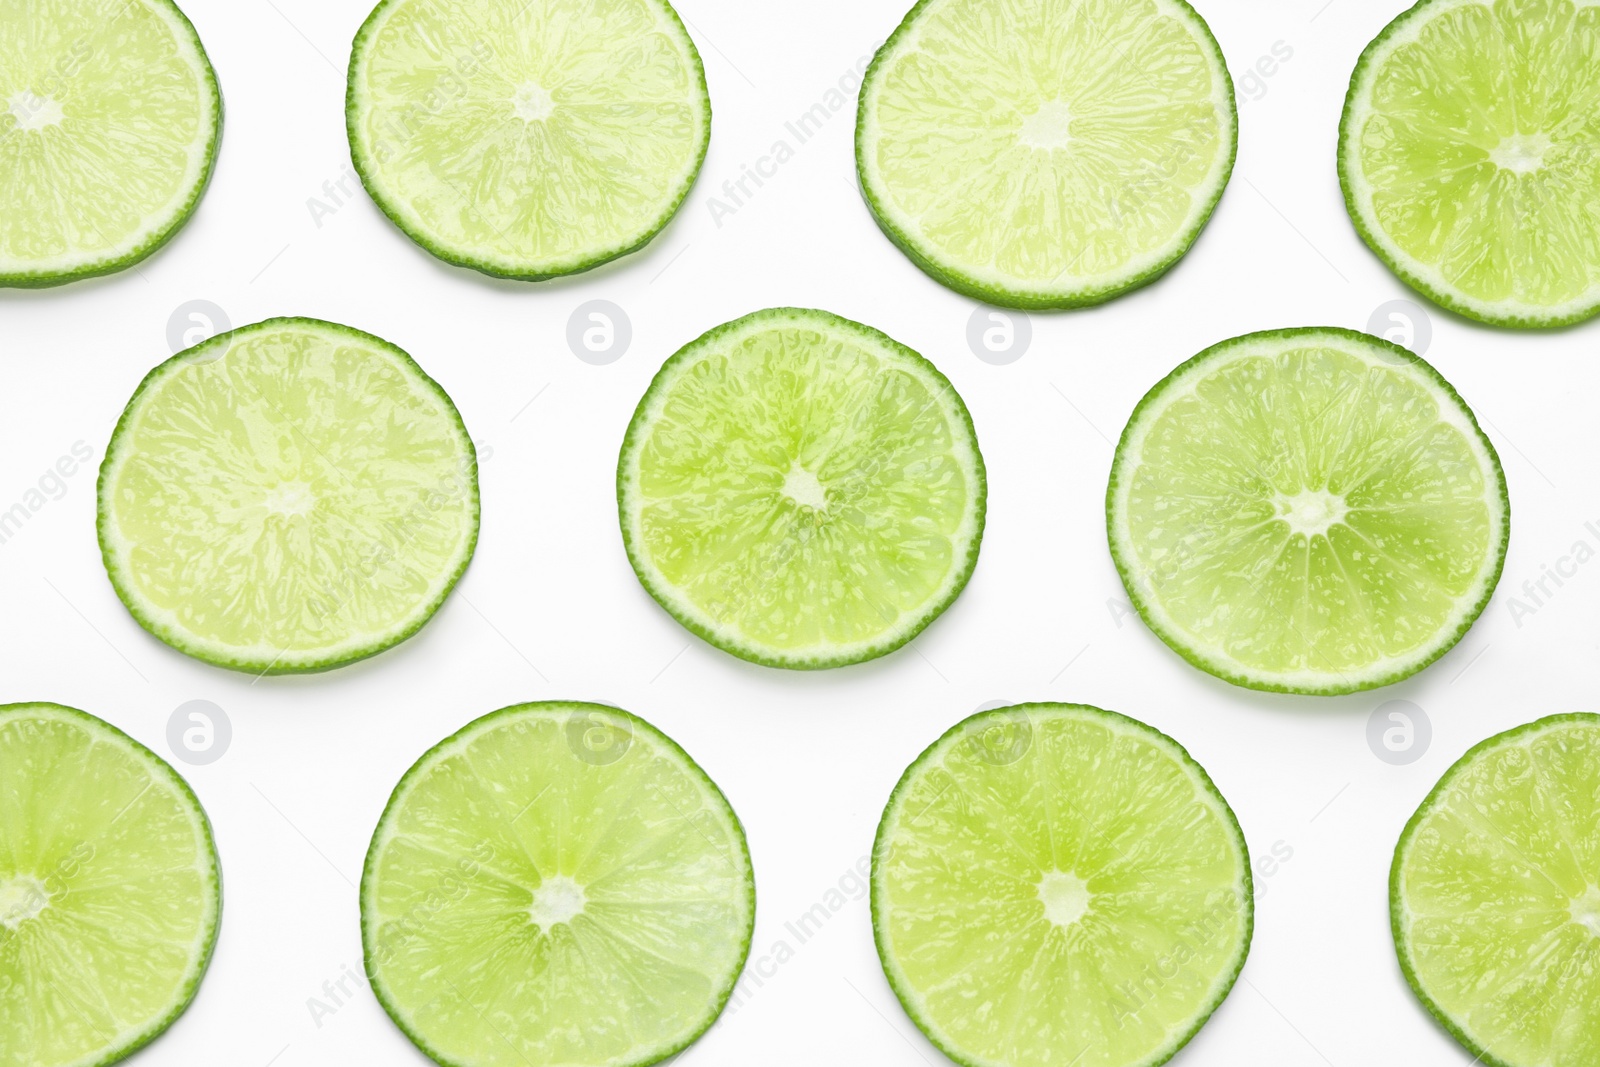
point(1056, 884)
point(1046, 153)
point(1307, 511)
point(290, 496)
point(527, 138)
point(1469, 153)
point(110, 892)
point(800, 490)
point(558, 883)
point(1495, 896)
point(109, 123)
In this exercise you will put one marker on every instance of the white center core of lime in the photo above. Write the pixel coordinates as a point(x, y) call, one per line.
point(532, 102)
point(291, 499)
point(801, 486)
point(22, 897)
point(557, 900)
point(1521, 153)
point(34, 112)
point(1311, 512)
point(1065, 897)
point(1586, 911)
point(1049, 127)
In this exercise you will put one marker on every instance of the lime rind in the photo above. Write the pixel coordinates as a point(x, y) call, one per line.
point(266, 659)
point(207, 939)
point(1453, 409)
point(692, 617)
point(371, 949)
point(1002, 292)
point(1205, 788)
point(1397, 911)
point(1421, 277)
point(203, 165)
point(363, 158)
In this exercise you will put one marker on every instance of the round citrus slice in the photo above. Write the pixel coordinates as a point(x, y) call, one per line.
point(800, 490)
point(1495, 896)
point(1046, 153)
point(109, 122)
point(527, 138)
point(110, 893)
point(1053, 883)
point(558, 883)
point(1307, 511)
point(290, 496)
point(1469, 153)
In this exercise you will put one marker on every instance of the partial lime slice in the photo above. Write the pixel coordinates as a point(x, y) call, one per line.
point(1495, 896)
point(1469, 153)
point(558, 883)
point(290, 496)
point(1046, 153)
point(800, 490)
point(527, 138)
point(109, 122)
point(1056, 884)
point(110, 892)
point(1307, 511)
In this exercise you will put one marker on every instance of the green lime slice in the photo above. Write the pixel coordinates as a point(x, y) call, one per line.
point(110, 893)
point(801, 490)
point(1046, 153)
point(558, 883)
point(1495, 896)
point(527, 138)
point(290, 496)
point(110, 118)
point(1056, 884)
point(1307, 511)
point(1469, 153)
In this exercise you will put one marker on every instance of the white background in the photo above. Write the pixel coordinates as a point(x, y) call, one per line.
point(550, 608)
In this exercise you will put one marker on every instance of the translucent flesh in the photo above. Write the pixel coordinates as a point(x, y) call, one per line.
point(123, 857)
point(1111, 172)
point(1235, 578)
point(641, 968)
point(304, 491)
point(1475, 78)
point(1487, 888)
point(961, 919)
point(105, 115)
point(766, 567)
point(442, 90)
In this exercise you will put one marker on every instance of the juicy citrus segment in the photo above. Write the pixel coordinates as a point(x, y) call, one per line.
point(557, 883)
point(800, 490)
point(1053, 883)
point(1470, 156)
point(1495, 896)
point(1046, 153)
point(527, 138)
point(1307, 510)
point(109, 890)
point(289, 496)
point(109, 117)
